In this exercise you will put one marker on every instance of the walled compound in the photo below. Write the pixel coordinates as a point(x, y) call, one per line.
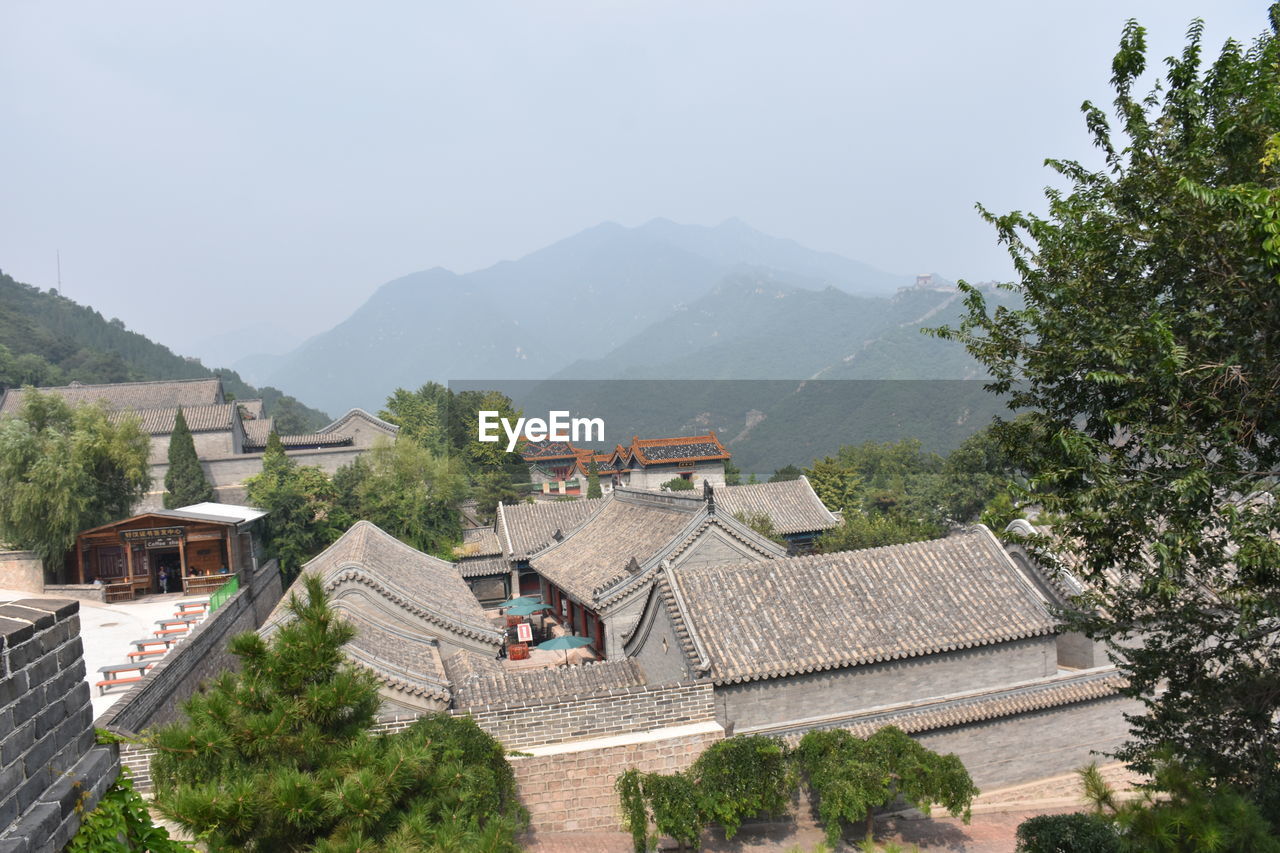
point(722, 632)
point(229, 435)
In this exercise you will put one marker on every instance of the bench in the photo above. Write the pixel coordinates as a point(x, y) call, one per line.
point(114, 679)
point(178, 620)
point(163, 632)
point(152, 641)
point(190, 606)
point(119, 591)
point(146, 653)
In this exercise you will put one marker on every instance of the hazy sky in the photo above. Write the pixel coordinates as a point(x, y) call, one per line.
point(205, 166)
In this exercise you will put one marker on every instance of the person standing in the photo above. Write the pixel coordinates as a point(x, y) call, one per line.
point(164, 579)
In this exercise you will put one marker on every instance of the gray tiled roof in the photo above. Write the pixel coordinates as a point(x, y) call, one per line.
point(216, 417)
point(360, 414)
point(426, 587)
point(476, 681)
point(805, 614)
point(792, 506)
point(480, 542)
point(526, 528)
point(258, 430)
point(404, 662)
point(163, 394)
point(482, 567)
point(628, 525)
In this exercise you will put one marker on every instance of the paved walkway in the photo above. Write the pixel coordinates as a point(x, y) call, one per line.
point(107, 632)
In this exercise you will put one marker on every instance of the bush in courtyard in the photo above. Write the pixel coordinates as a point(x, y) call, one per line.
point(853, 777)
point(1067, 833)
point(678, 484)
point(280, 756)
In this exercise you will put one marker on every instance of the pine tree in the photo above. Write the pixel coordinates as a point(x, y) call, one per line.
point(593, 481)
point(185, 483)
point(280, 757)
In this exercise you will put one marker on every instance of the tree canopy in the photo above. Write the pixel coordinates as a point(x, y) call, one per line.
point(184, 482)
point(1148, 353)
point(280, 756)
point(63, 470)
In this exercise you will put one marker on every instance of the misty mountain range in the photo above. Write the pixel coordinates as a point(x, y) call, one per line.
point(659, 301)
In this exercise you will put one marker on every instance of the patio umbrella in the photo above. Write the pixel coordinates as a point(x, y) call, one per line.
point(524, 599)
point(526, 608)
point(566, 642)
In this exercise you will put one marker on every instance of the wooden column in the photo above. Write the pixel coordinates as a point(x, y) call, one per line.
point(128, 559)
point(182, 561)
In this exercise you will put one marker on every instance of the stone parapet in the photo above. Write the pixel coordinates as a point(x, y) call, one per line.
point(51, 769)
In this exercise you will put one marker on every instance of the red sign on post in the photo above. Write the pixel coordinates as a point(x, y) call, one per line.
point(524, 632)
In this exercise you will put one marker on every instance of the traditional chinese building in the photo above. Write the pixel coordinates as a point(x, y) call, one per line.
point(195, 549)
point(229, 435)
point(645, 463)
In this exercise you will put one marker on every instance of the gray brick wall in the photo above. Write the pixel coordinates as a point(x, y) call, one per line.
point(634, 709)
point(780, 700)
point(1028, 746)
point(50, 767)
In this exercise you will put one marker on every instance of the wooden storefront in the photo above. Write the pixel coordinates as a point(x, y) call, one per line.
point(197, 555)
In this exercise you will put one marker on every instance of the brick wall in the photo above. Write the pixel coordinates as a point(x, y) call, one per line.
point(634, 709)
point(21, 570)
point(158, 699)
point(778, 700)
point(1027, 746)
point(50, 766)
point(573, 790)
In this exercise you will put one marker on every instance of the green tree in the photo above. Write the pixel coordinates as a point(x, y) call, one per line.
point(184, 482)
point(677, 484)
point(422, 415)
point(63, 470)
point(303, 515)
point(409, 492)
point(593, 480)
point(853, 777)
point(465, 427)
point(290, 417)
point(761, 523)
point(1148, 351)
point(732, 474)
point(743, 777)
point(785, 474)
point(494, 488)
point(280, 756)
point(837, 485)
point(980, 471)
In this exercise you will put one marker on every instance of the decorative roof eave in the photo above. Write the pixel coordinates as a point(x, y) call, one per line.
point(801, 668)
point(401, 598)
point(391, 428)
point(398, 679)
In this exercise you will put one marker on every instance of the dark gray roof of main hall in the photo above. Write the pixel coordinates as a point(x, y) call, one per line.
point(630, 524)
point(476, 681)
point(776, 618)
point(161, 394)
point(526, 528)
point(792, 505)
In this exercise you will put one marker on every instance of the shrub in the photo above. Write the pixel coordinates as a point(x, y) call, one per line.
point(1067, 833)
point(678, 484)
point(743, 777)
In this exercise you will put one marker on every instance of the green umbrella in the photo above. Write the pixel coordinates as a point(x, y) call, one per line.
point(524, 599)
point(526, 608)
point(566, 642)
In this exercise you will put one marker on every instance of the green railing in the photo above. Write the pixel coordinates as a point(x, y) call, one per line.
point(222, 593)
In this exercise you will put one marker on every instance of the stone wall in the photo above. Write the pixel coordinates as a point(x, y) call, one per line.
point(634, 709)
point(157, 699)
point(78, 591)
point(50, 766)
point(570, 788)
point(778, 700)
point(21, 570)
point(1022, 747)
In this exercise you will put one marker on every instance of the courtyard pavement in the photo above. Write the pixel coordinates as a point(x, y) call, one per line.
point(107, 632)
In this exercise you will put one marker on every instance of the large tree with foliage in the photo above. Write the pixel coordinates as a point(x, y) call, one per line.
point(280, 756)
point(184, 482)
point(1148, 350)
point(408, 491)
point(301, 504)
point(63, 470)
